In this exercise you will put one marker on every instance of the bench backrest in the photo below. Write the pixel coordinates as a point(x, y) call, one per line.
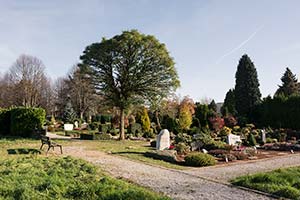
point(45, 139)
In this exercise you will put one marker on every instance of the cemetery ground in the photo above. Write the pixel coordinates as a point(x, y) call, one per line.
point(125, 160)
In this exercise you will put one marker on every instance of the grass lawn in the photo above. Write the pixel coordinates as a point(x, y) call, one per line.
point(281, 182)
point(24, 174)
point(131, 149)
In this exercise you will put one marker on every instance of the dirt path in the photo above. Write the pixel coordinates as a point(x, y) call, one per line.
point(177, 184)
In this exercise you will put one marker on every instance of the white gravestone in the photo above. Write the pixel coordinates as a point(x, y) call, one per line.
point(263, 136)
point(233, 139)
point(163, 140)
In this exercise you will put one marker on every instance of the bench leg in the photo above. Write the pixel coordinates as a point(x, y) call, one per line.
point(42, 146)
point(61, 149)
point(48, 150)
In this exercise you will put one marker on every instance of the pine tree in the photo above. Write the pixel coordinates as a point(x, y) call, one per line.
point(69, 115)
point(228, 107)
point(213, 106)
point(145, 120)
point(290, 85)
point(247, 93)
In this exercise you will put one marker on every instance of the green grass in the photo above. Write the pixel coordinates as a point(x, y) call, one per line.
point(134, 150)
point(281, 182)
point(63, 178)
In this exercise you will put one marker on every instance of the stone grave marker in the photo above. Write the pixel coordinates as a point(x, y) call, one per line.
point(163, 140)
point(233, 139)
point(263, 136)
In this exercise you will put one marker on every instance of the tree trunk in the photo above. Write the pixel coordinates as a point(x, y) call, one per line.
point(81, 115)
point(122, 131)
point(157, 121)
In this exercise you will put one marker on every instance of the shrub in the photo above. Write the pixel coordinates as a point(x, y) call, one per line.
point(214, 145)
point(135, 129)
point(149, 134)
point(102, 136)
point(199, 160)
point(105, 119)
point(184, 138)
point(165, 155)
point(230, 121)
point(251, 140)
point(25, 121)
point(104, 128)
point(225, 131)
point(94, 125)
point(182, 148)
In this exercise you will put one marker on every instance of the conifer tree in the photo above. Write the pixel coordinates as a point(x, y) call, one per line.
point(247, 93)
point(213, 106)
point(290, 85)
point(228, 107)
point(69, 115)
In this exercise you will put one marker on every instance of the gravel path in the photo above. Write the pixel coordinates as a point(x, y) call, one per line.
point(178, 184)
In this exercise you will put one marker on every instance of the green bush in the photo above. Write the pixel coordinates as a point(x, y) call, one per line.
point(182, 148)
point(135, 129)
point(251, 140)
point(183, 137)
point(104, 128)
point(199, 160)
point(25, 121)
point(102, 136)
point(5, 121)
point(149, 134)
point(165, 155)
point(94, 125)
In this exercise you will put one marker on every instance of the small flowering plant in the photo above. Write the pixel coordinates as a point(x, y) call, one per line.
point(171, 147)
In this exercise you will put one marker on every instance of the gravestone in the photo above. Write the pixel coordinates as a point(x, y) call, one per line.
point(233, 139)
point(163, 140)
point(263, 136)
point(76, 124)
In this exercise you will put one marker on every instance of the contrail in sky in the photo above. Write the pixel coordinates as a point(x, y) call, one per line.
point(240, 45)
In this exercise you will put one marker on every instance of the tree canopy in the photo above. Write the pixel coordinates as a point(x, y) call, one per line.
point(130, 68)
point(290, 85)
point(247, 93)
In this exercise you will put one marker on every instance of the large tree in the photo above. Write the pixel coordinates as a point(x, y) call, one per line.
point(247, 93)
point(81, 91)
point(228, 107)
point(130, 68)
point(289, 85)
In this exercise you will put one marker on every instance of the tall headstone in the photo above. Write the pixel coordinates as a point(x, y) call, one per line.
point(163, 140)
point(263, 136)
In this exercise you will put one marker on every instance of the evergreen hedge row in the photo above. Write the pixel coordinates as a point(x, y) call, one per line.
point(279, 112)
point(21, 121)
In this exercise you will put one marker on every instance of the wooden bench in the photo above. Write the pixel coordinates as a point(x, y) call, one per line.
point(46, 140)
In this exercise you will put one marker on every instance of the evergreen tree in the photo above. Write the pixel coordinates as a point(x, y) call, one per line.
point(289, 85)
point(247, 93)
point(145, 120)
point(213, 106)
point(228, 107)
point(69, 115)
point(202, 113)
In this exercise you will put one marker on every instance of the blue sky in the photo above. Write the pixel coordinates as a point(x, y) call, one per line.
point(206, 38)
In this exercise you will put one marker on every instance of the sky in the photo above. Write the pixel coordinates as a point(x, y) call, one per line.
point(205, 38)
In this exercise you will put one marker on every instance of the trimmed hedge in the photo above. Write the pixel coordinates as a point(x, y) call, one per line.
point(199, 160)
point(4, 121)
point(22, 121)
point(25, 121)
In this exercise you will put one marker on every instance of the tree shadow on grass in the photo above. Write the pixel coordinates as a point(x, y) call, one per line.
point(23, 151)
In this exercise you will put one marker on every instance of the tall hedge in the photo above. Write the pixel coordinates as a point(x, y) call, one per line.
point(4, 121)
point(279, 112)
point(25, 121)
